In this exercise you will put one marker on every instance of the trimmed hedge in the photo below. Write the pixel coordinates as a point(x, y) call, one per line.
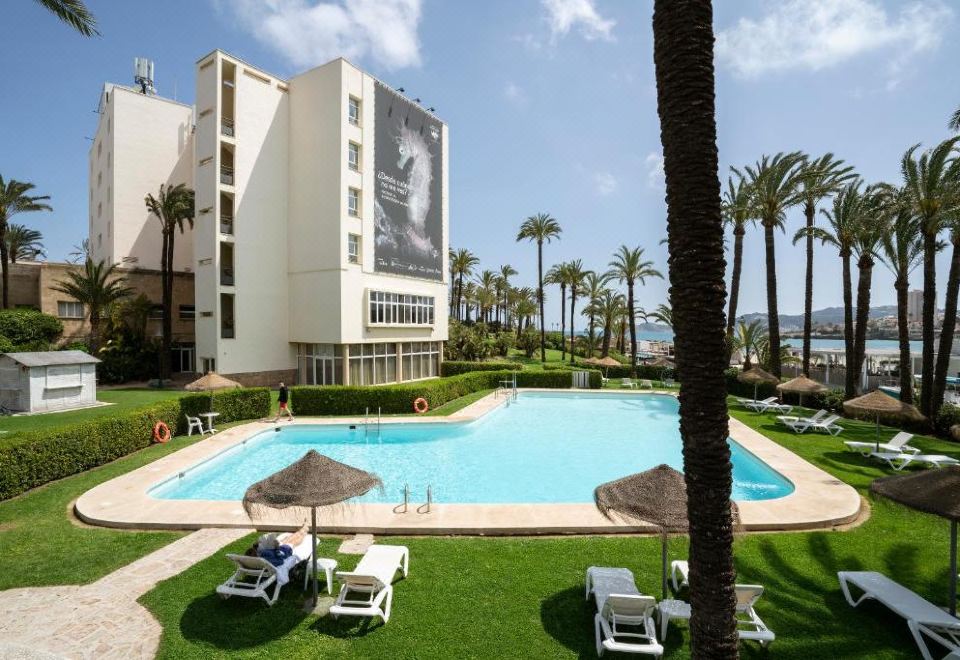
point(457, 367)
point(35, 458)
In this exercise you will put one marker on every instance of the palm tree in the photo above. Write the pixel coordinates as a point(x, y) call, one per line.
point(593, 285)
point(461, 265)
point(80, 252)
point(775, 185)
point(23, 243)
point(506, 272)
point(870, 227)
point(628, 266)
point(738, 212)
point(469, 295)
point(662, 314)
point(576, 278)
point(683, 58)
point(609, 306)
point(486, 294)
point(174, 206)
point(559, 275)
point(841, 233)
point(955, 121)
point(746, 339)
point(932, 182)
point(524, 307)
point(74, 13)
point(819, 178)
point(949, 315)
point(901, 251)
point(96, 288)
point(14, 199)
point(540, 228)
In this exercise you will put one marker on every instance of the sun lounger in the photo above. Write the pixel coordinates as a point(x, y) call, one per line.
point(825, 424)
point(897, 444)
point(758, 406)
point(646, 384)
point(254, 576)
point(900, 460)
point(749, 624)
point(923, 617)
point(626, 382)
point(787, 420)
point(679, 574)
point(367, 590)
point(624, 618)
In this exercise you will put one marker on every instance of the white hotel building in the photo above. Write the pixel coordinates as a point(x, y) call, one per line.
point(316, 259)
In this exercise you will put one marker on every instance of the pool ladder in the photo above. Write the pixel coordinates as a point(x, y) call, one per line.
point(366, 422)
point(405, 505)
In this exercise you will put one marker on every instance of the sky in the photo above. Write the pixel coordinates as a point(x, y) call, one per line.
point(551, 106)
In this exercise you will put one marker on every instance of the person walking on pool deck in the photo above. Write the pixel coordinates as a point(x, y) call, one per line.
point(284, 408)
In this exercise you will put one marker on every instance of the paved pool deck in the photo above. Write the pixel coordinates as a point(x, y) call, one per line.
point(819, 500)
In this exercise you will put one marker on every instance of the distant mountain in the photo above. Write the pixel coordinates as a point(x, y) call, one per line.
point(820, 316)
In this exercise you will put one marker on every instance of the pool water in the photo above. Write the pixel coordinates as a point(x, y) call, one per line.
point(542, 447)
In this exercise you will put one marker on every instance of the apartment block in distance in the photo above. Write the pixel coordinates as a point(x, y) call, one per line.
point(321, 233)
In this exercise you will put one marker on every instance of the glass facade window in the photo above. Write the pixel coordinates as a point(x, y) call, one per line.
point(320, 364)
point(70, 309)
point(353, 111)
point(373, 364)
point(353, 248)
point(353, 202)
point(353, 156)
point(400, 309)
point(420, 359)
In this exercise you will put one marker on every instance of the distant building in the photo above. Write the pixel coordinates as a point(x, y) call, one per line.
point(915, 306)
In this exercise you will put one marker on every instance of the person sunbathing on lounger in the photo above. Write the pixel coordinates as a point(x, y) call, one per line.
point(275, 551)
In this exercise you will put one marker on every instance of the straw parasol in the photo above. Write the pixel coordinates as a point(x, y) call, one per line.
point(210, 382)
point(591, 360)
point(802, 385)
point(657, 496)
point(931, 491)
point(607, 362)
point(311, 482)
point(878, 403)
point(757, 376)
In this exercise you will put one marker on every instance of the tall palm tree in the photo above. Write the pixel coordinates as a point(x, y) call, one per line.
point(870, 227)
point(932, 182)
point(662, 314)
point(576, 276)
point(683, 58)
point(738, 212)
point(15, 199)
point(949, 315)
point(955, 120)
point(74, 13)
point(80, 252)
point(540, 228)
point(593, 285)
point(461, 265)
point(609, 306)
point(746, 339)
point(819, 178)
point(775, 183)
point(629, 266)
point(506, 272)
point(559, 275)
point(469, 295)
point(841, 233)
point(486, 294)
point(902, 248)
point(174, 207)
point(96, 287)
point(23, 243)
point(524, 307)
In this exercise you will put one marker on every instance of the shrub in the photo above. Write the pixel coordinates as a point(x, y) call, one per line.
point(6, 346)
point(468, 342)
point(33, 459)
point(503, 342)
point(29, 328)
point(947, 416)
point(455, 367)
point(529, 342)
point(75, 346)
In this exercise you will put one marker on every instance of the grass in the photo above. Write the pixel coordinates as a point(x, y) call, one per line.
point(122, 400)
point(517, 597)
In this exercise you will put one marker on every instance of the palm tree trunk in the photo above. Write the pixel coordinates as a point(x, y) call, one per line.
point(573, 306)
point(946, 332)
point(607, 334)
point(865, 266)
point(773, 318)
point(94, 330)
point(903, 334)
point(929, 315)
point(810, 211)
point(4, 265)
point(633, 329)
point(167, 322)
point(683, 56)
point(459, 295)
point(563, 322)
point(543, 332)
point(735, 279)
point(593, 331)
point(848, 344)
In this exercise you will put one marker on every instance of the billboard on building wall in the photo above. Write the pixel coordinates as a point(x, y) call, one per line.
point(408, 206)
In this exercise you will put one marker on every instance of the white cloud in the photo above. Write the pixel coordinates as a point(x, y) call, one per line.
point(818, 34)
point(582, 15)
point(308, 33)
point(654, 165)
point(514, 93)
point(605, 182)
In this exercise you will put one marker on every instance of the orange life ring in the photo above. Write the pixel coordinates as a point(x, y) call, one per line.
point(161, 432)
point(420, 405)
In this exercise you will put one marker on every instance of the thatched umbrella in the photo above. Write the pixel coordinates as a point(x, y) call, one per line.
point(313, 481)
point(931, 491)
point(607, 362)
point(210, 382)
point(757, 376)
point(881, 404)
point(664, 363)
point(802, 385)
point(657, 496)
point(591, 360)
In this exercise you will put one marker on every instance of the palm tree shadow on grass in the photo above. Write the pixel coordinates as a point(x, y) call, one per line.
point(240, 623)
point(568, 618)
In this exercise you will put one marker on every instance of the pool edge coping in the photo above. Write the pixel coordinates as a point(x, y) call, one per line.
point(818, 501)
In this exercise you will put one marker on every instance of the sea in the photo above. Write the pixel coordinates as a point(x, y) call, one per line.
point(880, 344)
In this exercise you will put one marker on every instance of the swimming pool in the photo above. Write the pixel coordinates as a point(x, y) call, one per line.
point(542, 447)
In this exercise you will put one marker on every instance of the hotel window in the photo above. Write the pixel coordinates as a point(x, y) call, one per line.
point(420, 359)
point(353, 111)
point(156, 313)
point(353, 202)
point(99, 179)
point(373, 364)
point(208, 364)
point(319, 364)
point(353, 248)
point(70, 309)
point(99, 240)
point(99, 209)
point(400, 309)
point(353, 156)
point(188, 312)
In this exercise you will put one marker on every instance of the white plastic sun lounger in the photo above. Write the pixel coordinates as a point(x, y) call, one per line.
point(628, 383)
point(897, 444)
point(367, 590)
point(787, 420)
point(758, 406)
point(825, 424)
point(621, 605)
point(254, 576)
point(646, 384)
point(900, 460)
point(923, 617)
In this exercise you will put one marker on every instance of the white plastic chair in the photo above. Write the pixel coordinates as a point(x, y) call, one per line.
point(372, 581)
point(624, 618)
point(194, 423)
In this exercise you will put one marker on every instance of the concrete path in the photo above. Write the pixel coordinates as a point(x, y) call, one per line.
point(102, 619)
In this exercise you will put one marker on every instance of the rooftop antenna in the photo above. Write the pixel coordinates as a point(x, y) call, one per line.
point(143, 75)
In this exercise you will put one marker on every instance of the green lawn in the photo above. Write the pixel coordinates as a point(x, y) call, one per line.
point(121, 400)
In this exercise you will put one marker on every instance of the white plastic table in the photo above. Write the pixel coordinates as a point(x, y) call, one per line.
point(671, 609)
point(210, 416)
